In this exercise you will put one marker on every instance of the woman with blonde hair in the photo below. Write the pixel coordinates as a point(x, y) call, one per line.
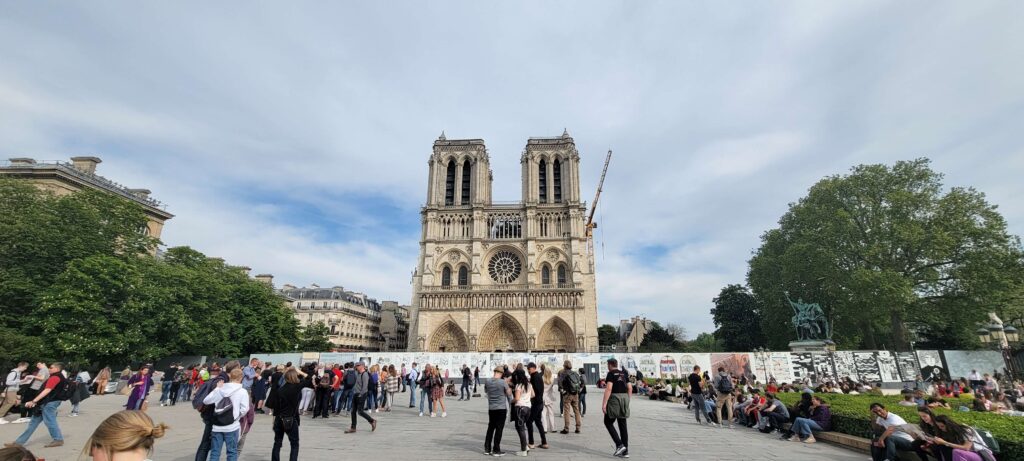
point(551, 398)
point(127, 435)
point(437, 392)
point(102, 378)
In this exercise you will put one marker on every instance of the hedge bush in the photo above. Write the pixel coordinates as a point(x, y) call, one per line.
point(851, 415)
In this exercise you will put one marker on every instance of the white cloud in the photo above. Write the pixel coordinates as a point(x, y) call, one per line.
point(263, 128)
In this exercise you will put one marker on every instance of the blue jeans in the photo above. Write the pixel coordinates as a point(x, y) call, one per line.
point(49, 418)
point(336, 400)
point(230, 442)
point(165, 391)
point(803, 427)
point(426, 397)
point(464, 391)
point(371, 400)
point(412, 394)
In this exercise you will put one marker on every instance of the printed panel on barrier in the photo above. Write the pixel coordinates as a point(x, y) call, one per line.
point(803, 365)
point(648, 365)
point(931, 366)
point(736, 364)
point(867, 366)
point(823, 367)
point(846, 366)
point(887, 367)
point(907, 363)
point(961, 363)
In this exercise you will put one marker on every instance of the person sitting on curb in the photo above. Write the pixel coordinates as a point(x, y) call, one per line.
point(891, 434)
point(820, 420)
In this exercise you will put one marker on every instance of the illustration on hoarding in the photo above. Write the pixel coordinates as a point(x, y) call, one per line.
point(846, 367)
point(803, 366)
point(887, 367)
point(909, 368)
point(961, 363)
point(668, 367)
point(867, 367)
point(734, 364)
point(931, 366)
point(823, 368)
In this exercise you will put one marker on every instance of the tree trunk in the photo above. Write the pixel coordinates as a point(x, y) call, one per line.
point(899, 331)
point(869, 334)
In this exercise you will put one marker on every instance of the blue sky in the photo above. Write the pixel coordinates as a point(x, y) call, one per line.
point(293, 138)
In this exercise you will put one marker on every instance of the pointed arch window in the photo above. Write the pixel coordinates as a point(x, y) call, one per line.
point(467, 168)
point(556, 171)
point(561, 274)
point(446, 276)
point(543, 177)
point(463, 276)
point(449, 184)
point(545, 275)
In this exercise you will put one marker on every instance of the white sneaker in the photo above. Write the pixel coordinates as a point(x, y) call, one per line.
point(4, 421)
point(72, 415)
point(22, 420)
point(421, 413)
point(444, 414)
point(433, 415)
point(520, 453)
point(712, 424)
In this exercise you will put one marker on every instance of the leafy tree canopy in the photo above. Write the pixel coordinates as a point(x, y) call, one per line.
point(314, 337)
point(607, 335)
point(891, 256)
point(737, 317)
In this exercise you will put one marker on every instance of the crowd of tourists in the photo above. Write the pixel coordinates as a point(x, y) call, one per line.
point(228, 397)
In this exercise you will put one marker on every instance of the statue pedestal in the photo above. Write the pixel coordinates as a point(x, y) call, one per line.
point(813, 345)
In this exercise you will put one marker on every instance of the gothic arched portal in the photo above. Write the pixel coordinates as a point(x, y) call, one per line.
point(502, 333)
point(556, 335)
point(449, 338)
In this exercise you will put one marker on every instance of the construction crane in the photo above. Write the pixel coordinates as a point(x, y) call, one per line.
point(591, 225)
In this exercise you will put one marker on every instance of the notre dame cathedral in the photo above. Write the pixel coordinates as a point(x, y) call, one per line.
point(505, 277)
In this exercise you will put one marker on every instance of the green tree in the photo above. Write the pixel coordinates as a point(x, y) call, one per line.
point(737, 317)
point(607, 335)
point(314, 338)
point(890, 255)
point(658, 339)
point(706, 342)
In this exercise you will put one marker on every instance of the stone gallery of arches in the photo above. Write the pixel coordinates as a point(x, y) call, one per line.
point(504, 277)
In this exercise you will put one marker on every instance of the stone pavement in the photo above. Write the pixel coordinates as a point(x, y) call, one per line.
point(657, 431)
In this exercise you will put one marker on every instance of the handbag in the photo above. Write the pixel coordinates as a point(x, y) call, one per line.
point(287, 422)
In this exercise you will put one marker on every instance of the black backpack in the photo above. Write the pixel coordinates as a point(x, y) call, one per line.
point(224, 411)
point(64, 390)
point(723, 384)
point(350, 379)
point(571, 383)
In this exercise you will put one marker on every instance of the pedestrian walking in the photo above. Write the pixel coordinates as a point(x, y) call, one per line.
point(165, 384)
point(138, 387)
point(615, 406)
point(359, 391)
point(498, 394)
point(392, 387)
point(13, 382)
point(44, 407)
point(230, 402)
point(467, 377)
point(522, 392)
point(697, 395)
point(476, 378)
point(285, 403)
point(723, 386)
point(80, 392)
point(536, 406)
point(128, 435)
point(569, 384)
point(583, 392)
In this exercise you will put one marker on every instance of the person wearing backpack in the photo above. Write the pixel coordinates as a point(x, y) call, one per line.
point(723, 385)
point(359, 392)
point(230, 402)
point(569, 384)
point(12, 384)
point(55, 391)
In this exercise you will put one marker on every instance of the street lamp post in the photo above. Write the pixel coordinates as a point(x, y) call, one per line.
point(1004, 338)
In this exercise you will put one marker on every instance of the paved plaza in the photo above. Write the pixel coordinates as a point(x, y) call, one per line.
point(657, 430)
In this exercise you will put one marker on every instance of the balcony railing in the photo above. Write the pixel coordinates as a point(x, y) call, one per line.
point(510, 287)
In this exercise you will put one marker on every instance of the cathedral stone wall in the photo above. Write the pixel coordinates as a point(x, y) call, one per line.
point(504, 276)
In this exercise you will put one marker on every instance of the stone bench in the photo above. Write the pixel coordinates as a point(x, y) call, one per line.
point(856, 443)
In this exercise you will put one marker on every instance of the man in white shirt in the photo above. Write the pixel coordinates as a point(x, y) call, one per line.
point(10, 397)
point(229, 434)
point(892, 437)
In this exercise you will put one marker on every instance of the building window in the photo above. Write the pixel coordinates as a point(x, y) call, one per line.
point(449, 184)
point(557, 173)
point(545, 275)
point(463, 276)
point(446, 276)
point(543, 176)
point(561, 273)
point(466, 169)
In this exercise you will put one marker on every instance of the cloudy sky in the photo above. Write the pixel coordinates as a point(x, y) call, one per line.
point(293, 137)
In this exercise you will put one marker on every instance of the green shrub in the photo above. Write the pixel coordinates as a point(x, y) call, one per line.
point(850, 415)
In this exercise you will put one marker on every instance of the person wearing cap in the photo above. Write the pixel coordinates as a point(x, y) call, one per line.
point(359, 398)
point(536, 406)
point(497, 391)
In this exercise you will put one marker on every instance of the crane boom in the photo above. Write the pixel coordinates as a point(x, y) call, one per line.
point(600, 184)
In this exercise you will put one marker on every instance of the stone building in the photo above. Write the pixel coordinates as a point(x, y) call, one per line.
point(496, 276)
point(63, 178)
point(353, 318)
point(394, 326)
point(633, 331)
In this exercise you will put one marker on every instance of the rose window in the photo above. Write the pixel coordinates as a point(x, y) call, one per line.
point(505, 267)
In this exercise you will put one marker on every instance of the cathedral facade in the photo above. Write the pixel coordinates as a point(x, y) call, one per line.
point(507, 277)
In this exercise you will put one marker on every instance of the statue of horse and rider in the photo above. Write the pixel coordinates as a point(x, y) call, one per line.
point(809, 320)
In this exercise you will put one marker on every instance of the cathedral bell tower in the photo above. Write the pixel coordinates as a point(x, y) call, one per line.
point(460, 173)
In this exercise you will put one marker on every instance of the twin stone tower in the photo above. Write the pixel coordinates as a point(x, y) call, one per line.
point(504, 277)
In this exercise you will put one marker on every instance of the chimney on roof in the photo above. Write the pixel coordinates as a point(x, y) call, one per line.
point(141, 193)
point(265, 278)
point(313, 285)
point(245, 269)
point(288, 286)
point(22, 161)
point(86, 164)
